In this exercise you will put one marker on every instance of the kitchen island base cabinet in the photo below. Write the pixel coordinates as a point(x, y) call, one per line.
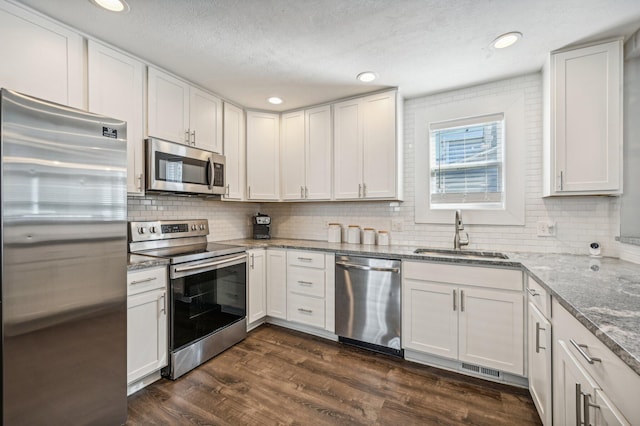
point(146, 326)
point(472, 315)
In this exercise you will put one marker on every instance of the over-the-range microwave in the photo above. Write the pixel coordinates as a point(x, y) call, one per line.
point(176, 168)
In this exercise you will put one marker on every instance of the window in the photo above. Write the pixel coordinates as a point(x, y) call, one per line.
point(466, 163)
point(470, 154)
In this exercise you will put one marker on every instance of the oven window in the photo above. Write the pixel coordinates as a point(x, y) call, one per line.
point(174, 168)
point(206, 302)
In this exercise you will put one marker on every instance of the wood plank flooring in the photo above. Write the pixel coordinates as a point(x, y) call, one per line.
point(282, 377)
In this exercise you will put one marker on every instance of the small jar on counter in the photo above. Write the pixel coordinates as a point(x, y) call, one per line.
point(369, 236)
point(353, 234)
point(383, 238)
point(335, 233)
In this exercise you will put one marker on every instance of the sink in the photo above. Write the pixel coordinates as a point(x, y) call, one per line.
point(466, 254)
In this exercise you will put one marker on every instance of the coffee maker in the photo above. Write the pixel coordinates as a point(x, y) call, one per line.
point(261, 227)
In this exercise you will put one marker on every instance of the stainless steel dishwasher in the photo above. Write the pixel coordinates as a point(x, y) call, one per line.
point(368, 294)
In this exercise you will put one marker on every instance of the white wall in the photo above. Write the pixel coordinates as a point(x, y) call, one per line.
point(579, 220)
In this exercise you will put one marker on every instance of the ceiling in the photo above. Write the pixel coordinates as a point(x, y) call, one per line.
point(309, 51)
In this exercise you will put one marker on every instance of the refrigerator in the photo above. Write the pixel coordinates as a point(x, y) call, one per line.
point(64, 248)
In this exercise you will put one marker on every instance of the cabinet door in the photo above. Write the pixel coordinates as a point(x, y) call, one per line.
point(318, 153)
point(347, 139)
point(539, 344)
point(606, 414)
point(430, 318)
point(379, 146)
point(234, 149)
point(116, 89)
point(277, 283)
point(146, 333)
point(40, 58)
point(263, 134)
point(257, 285)
point(588, 120)
point(571, 385)
point(492, 329)
point(168, 107)
point(205, 120)
point(292, 155)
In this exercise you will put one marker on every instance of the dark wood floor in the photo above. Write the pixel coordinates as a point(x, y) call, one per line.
point(281, 377)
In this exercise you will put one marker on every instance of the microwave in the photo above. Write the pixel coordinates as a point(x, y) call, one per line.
point(176, 168)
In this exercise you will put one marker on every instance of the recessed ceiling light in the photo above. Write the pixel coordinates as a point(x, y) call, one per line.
point(120, 6)
point(367, 76)
point(274, 100)
point(506, 40)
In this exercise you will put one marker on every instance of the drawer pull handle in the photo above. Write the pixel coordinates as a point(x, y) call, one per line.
point(532, 292)
point(305, 311)
point(305, 283)
point(305, 259)
point(538, 347)
point(584, 354)
point(146, 280)
point(164, 304)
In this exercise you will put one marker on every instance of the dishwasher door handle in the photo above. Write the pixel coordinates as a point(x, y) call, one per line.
point(367, 268)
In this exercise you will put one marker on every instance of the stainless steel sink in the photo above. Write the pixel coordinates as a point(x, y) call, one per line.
point(466, 254)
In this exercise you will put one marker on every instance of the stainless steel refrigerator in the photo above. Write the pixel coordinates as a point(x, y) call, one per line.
point(63, 294)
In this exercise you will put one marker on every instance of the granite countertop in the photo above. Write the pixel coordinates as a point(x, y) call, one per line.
point(602, 293)
point(137, 261)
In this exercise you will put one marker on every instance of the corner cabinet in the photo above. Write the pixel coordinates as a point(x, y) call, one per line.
point(462, 317)
point(583, 121)
point(263, 156)
point(40, 58)
point(367, 148)
point(305, 153)
point(234, 151)
point(179, 112)
point(256, 287)
point(147, 306)
point(116, 89)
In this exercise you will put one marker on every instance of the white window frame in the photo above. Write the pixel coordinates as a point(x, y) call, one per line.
point(512, 106)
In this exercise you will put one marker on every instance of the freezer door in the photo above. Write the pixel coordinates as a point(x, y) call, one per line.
point(63, 264)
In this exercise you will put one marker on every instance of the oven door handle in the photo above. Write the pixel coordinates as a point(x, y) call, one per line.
point(210, 264)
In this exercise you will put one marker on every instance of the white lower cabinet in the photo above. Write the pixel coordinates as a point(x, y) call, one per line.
point(539, 357)
point(472, 315)
point(588, 377)
point(256, 287)
point(277, 283)
point(147, 306)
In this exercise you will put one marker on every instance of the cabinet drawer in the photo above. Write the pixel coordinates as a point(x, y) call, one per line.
point(305, 309)
point(538, 296)
point(146, 279)
point(307, 259)
point(611, 374)
point(306, 281)
point(503, 279)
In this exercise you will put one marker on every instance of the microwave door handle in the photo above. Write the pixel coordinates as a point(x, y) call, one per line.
point(210, 177)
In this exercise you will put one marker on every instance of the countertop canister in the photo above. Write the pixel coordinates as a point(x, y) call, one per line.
point(335, 233)
point(353, 234)
point(369, 236)
point(383, 238)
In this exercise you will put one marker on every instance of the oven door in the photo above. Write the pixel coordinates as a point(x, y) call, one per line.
point(173, 167)
point(206, 296)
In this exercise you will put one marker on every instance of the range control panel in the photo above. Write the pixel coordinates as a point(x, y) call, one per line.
point(166, 229)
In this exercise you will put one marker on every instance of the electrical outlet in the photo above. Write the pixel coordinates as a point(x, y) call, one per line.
point(545, 229)
point(396, 224)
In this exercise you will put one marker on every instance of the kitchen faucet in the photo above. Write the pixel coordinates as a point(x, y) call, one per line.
point(458, 242)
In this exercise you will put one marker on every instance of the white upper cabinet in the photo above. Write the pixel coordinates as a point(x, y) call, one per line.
point(234, 151)
point(40, 58)
point(583, 121)
point(366, 148)
point(263, 152)
point(116, 89)
point(181, 113)
point(305, 153)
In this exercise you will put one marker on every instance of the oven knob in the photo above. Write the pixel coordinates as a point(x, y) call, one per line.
point(141, 230)
point(152, 229)
point(194, 227)
point(202, 227)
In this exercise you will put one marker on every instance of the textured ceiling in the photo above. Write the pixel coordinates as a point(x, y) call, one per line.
point(309, 51)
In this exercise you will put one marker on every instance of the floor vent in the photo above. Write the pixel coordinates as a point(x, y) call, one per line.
point(481, 370)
